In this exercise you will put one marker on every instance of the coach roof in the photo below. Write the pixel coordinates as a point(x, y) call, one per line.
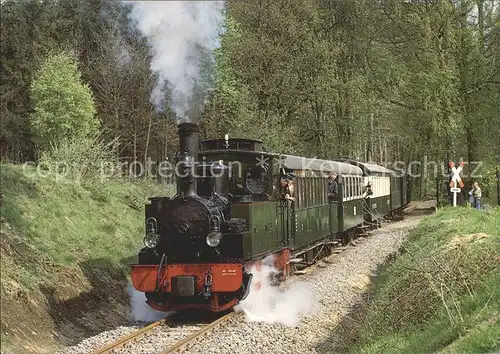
point(371, 168)
point(303, 163)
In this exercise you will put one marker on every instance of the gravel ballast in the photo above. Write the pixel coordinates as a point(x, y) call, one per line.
point(337, 285)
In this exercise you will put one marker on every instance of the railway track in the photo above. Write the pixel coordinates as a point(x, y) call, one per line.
point(132, 342)
point(185, 335)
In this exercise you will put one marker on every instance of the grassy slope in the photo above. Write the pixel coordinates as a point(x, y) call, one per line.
point(442, 293)
point(61, 235)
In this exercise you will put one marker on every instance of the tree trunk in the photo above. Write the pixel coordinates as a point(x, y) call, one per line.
point(147, 142)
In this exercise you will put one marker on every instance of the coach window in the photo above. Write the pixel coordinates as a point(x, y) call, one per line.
point(307, 195)
point(315, 194)
point(347, 187)
point(303, 192)
point(350, 187)
point(309, 192)
point(344, 187)
point(308, 189)
point(319, 195)
point(349, 192)
point(322, 189)
point(298, 193)
point(318, 191)
point(324, 183)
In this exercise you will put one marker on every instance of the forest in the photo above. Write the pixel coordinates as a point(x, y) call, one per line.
point(384, 81)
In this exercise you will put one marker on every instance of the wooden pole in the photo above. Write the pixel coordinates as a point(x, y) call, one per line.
point(454, 194)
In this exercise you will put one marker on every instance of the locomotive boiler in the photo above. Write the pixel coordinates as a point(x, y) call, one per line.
point(193, 254)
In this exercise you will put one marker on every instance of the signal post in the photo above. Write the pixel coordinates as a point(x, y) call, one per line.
point(456, 179)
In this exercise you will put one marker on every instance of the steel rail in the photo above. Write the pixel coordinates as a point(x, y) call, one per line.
point(130, 337)
point(198, 333)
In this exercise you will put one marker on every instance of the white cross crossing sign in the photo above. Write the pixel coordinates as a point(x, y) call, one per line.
point(456, 179)
point(456, 175)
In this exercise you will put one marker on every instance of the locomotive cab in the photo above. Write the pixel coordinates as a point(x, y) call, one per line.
point(213, 179)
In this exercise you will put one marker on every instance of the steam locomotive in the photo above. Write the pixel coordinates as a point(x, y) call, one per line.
point(228, 215)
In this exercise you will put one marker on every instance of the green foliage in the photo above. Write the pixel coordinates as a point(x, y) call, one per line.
point(65, 223)
point(63, 105)
point(387, 80)
point(488, 182)
point(229, 109)
point(441, 293)
point(80, 159)
point(381, 80)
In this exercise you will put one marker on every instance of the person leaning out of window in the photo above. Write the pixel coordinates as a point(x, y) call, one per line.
point(333, 186)
point(367, 190)
point(287, 187)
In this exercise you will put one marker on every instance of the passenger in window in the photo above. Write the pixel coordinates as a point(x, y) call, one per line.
point(287, 187)
point(333, 186)
point(291, 190)
point(367, 190)
point(283, 186)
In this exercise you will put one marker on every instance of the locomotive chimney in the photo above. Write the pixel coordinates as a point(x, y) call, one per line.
point(188, 142)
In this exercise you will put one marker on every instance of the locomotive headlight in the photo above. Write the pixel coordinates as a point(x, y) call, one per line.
point(214, 238)
point(151, 240)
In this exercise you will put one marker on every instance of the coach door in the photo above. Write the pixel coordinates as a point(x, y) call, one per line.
point(287, 216)
point(286, 220)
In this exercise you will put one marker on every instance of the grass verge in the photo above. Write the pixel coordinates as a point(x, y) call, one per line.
point(441, 293)
point(65, 247)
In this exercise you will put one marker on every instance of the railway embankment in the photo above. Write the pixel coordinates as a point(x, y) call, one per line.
point(440, 293)
point(65, 246)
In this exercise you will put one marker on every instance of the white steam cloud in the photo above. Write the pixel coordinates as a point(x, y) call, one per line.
point(267, 303)
point(139, 310)
point(182, 35)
